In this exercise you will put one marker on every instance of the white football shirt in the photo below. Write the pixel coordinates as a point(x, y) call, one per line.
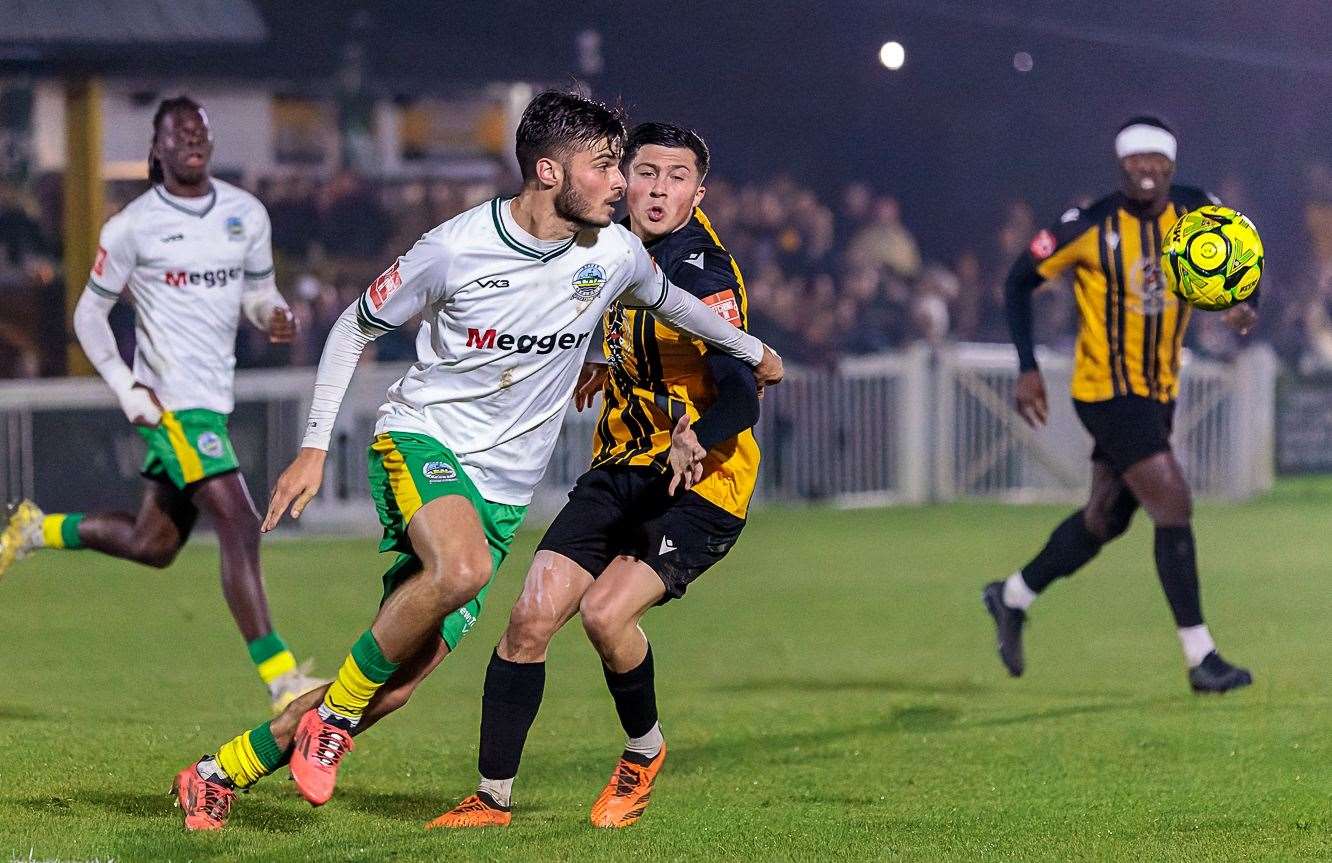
point(508, 319)
point(185, 262)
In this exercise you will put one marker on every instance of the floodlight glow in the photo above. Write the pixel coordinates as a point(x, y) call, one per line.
point(892, 55)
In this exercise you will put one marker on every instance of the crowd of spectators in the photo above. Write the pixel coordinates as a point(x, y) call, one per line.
point(828, 276)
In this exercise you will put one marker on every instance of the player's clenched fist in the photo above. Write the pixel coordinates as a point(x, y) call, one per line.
point(141, 406)
point(281, 326)
point(298, 484)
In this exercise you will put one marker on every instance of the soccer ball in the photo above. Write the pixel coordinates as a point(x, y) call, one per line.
point(1212, 258)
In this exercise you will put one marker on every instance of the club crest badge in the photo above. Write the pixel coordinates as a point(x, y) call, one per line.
point(588, 282)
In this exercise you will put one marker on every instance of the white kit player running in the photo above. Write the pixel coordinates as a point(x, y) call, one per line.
point(194, 253)
point(511, 292)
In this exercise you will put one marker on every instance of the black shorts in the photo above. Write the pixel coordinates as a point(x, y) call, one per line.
point(626, 510)
point(1127, 429)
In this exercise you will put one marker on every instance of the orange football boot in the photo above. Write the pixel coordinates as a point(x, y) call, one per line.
point(629, 790)
point(206, 804)
point(319, 748)
point(479, 810)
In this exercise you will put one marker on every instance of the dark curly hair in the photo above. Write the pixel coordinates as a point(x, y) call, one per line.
point(556, 123)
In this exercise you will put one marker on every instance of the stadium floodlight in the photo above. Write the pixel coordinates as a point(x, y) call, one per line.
point(892, 55)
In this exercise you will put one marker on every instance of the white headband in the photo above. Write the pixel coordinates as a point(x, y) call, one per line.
point(1142, 138)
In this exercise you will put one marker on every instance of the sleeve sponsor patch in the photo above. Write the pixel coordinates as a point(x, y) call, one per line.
point(1042, 245)
point(725, 305)
point(384, 287)
point(99, 263)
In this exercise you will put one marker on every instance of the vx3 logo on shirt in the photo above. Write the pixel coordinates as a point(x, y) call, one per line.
point(171, 238)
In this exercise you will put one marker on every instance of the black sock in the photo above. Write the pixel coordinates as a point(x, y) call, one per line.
point(635, 694)
point(1069, 548)
point(508, 709)
point(1177, 567)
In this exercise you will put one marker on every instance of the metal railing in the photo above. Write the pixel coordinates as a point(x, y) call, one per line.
point(904, 427)
point(1223, 434)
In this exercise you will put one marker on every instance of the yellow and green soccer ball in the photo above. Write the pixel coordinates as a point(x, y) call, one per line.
point(1212, 258)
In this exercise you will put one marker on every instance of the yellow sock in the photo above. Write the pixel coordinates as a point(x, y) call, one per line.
point(249, 757)
point(61, 530)
point(362, 673)
point(271, 657)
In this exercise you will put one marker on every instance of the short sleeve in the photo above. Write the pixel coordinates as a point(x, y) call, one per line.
point(709, 276)
point(1054, 249)
point(406, 288)
point(116, 257)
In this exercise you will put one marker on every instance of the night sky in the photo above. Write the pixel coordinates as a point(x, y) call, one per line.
point(797, 88)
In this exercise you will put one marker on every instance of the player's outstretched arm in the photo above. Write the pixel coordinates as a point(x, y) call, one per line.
point(685, 313)
point(139, 403)
point(300, 482)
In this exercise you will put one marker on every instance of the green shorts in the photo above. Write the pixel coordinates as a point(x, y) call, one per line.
point(188, 446)
point(407, 471)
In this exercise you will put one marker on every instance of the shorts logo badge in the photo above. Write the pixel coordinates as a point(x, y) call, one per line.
point(210, 444)
point(588, 282)
point(438, 471)
point(235, 229)
point(666, 546)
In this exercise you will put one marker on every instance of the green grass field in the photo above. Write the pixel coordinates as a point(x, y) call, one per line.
point(830, 691)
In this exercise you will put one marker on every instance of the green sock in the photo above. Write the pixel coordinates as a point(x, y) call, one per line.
point(61, 530)
point(251, 756)
point(362, 673)
point(271, 656)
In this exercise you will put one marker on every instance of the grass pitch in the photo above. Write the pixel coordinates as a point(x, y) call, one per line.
point(829, 691)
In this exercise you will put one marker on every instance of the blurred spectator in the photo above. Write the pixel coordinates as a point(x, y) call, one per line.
point(30, 335)
point(823, 281)
point(854, 212)
point(352, 224)
point(1311, 313)
point(885, 242)
point(21, 239)
point(292, 210)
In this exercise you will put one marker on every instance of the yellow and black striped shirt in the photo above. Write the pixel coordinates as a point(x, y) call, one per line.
point(1131, 327)
point(657, 375)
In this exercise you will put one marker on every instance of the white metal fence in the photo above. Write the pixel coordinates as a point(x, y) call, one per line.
point(905, 427)
point(1224, 421)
